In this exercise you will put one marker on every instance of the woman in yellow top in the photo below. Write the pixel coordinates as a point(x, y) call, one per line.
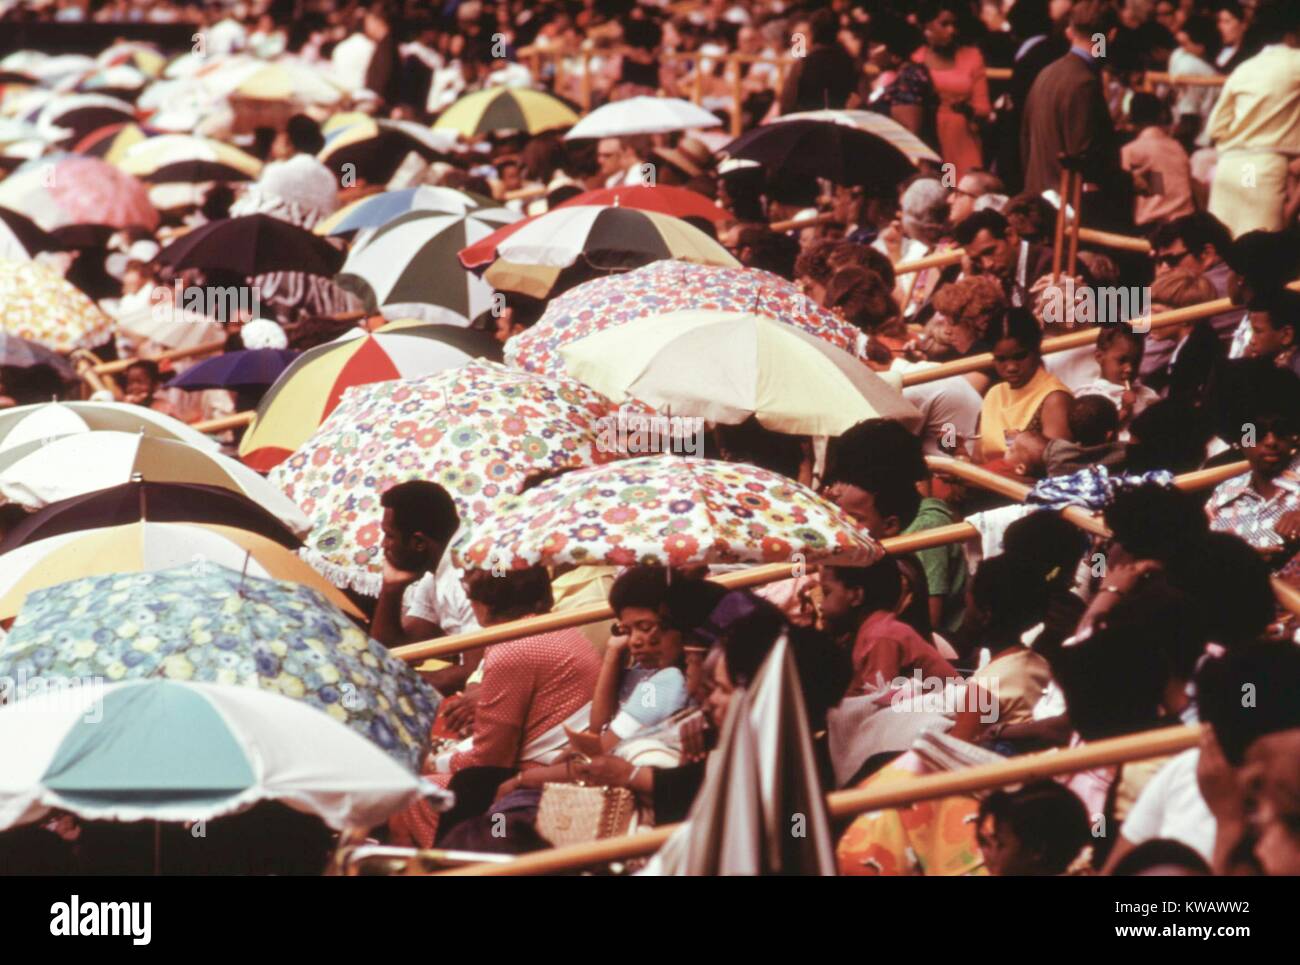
point(1256, 127)
point(1028, 397)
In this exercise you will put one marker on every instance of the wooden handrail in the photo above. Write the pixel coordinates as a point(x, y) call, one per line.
point(927, 787)
point(225, 422)
point(173, 355)
point(795, 223)
point(1089, 236)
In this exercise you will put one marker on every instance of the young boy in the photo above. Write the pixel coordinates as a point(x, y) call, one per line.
point(1119, 354)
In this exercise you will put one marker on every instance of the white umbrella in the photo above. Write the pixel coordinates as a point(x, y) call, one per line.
point(642, 115)
point(50, 420)
point(164, 750)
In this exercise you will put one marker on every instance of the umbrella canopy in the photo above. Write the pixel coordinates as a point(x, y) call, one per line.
point(285, 80)
point(20, 237)
point(254, 244)
point(678, 202)
point(36, 474)
point(182, 157)
point(19, 353)
point(761, 782)
point(727, 367)
point(146, 546)
point(66, 189)
point(43, 421)
point(142, 57)
point(210, 624)
point(411, 262)
point(376, 147)
point(505, 109)
point(822, 149)
point(879, 125)
point(375, 210)
point(663, 287)
point(245, 370)
point(670, 510)
point(480, 431)
point(642, 115)
point(170, 325)
point(112, 141)
point(311, 387)
point(120, 81)
point(607, 239)
point(165, 750)
point(78, 114)
point(157, 502)
point(38, 304)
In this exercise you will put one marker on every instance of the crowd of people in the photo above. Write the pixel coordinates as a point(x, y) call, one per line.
point(1053, 636)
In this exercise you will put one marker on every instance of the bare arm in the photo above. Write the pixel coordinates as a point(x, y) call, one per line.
point(604, 701)
point(1056, 424)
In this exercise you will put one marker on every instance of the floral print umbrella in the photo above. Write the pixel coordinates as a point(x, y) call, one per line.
point(40, 306)
point(669, 510)
point(663, 287)
point(211, 624)
point(480, 431)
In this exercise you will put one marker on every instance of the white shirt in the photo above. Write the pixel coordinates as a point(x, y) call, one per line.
point(1171, 806)
point(1074, 366)
point(1240, 338)
point(439, 597)
point(947, 406)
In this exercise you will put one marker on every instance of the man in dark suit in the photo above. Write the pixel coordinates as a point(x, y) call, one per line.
point(826, 75)
point(995, 248)
point(1066, 111)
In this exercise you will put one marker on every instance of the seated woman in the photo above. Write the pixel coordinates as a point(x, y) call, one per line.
point(1029, 398)
point(531, 688)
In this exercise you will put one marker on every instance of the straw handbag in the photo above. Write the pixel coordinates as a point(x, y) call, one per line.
point(571, 813)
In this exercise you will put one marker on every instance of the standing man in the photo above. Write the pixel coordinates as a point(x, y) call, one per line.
point(1066, 111)
point(419, 522)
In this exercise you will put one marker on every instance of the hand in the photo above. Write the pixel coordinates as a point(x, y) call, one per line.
point(460, 710)
point(507, 787)
point(604, 771)
point(395, 577)
point(585, 742)
point(1123, 577)
point(693, 733)
point(1288, 527)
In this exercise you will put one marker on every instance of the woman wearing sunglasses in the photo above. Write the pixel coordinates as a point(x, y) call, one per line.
point(1027, 397)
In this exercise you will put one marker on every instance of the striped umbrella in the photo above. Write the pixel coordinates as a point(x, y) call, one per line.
point(678, 202)
point(50, 420)
point(112, 141)
point(602, 238)
point(376, 147)
point(505, 109)
point(880, 125)
point(411, 262)
point(217, 625)
point(376, 210)
point(309, 390)
point(38, 473)
point(182, 157)
point(20, 238)
point(67, 189)
point(285, 80)
point(100, 753)
point(669, 286)
point(142, 57)
point(480, 431)
point(148, 546)
point(39, 305)
point(80, 114)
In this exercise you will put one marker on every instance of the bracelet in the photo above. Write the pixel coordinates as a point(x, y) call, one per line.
point(631, 778)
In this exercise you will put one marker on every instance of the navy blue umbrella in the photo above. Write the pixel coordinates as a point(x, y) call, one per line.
point(242, 371)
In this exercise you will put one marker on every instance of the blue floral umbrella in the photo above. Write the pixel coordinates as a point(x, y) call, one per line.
point(210, 624)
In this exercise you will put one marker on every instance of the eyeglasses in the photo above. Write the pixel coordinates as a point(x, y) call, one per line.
point(1170, 259)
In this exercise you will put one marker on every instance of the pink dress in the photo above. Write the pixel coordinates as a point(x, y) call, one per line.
point(963, 81)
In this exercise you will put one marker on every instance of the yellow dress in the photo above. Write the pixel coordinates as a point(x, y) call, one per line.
point(1255, 128)
point(1016, 410)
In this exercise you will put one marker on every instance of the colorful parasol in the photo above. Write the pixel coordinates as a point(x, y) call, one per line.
point(670, 510)
point(210, 624)
point(66, 189)
point(310, 388)
point(38, 304)
point(663, 287)
point(480, 431)
point(375, 210)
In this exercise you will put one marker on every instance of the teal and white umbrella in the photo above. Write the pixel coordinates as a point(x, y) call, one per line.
point(409, 267)
point(163, 750)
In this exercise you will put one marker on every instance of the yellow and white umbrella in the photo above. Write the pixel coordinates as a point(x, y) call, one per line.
point(147, 546)
point(726, 367)
point(505, 109)
point(183, 157)
point(50, 420)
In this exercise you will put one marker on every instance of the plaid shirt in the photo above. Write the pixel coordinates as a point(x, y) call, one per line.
point(1235, 507)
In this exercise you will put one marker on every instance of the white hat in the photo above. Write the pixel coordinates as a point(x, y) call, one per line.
point(263, 333)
